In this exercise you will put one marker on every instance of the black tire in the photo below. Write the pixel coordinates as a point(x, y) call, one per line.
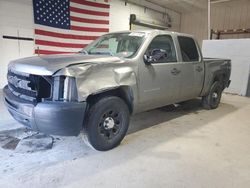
point(212, 100)
point(101, 132)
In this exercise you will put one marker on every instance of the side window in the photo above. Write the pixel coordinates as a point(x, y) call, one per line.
point(189, 50)
point(163, 43)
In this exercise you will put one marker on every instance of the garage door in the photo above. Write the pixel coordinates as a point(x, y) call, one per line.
point(142, 23)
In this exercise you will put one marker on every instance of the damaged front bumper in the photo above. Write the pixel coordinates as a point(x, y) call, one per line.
point(50, 117)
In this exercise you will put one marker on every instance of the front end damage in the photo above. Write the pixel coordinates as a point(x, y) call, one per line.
point(56, 103)
point(46, 104)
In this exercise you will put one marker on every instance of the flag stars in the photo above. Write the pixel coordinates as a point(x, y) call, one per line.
point(52, 13)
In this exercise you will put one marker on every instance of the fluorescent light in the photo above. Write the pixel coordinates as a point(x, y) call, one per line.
point(219, 1)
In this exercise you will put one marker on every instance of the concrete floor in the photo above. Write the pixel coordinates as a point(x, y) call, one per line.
point(182, 147)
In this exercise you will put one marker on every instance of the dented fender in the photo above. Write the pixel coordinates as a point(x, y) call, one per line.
point(94, 78)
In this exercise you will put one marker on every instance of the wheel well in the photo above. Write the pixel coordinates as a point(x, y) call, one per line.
point(217, 78)
point(221, 78)
point(124, 92)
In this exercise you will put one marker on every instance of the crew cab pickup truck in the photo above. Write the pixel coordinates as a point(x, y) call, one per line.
point(117, 75)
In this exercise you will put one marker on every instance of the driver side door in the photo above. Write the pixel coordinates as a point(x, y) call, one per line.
point(160, 80)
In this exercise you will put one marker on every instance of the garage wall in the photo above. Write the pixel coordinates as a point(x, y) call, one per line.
point(16, 19)
point(238, 51)
point(227, 15)
point(119, 20)
point(231, 15)
point(195, 23)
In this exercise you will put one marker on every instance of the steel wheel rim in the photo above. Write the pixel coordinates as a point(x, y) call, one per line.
point(105, 129)
point(216, 95)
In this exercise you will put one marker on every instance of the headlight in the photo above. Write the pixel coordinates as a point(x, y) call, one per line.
point(64, 89)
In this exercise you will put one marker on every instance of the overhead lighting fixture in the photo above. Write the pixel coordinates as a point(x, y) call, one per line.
point(219, 1)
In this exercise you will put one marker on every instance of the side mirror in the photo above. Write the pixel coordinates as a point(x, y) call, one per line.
point(155, 55)
point(147, 59)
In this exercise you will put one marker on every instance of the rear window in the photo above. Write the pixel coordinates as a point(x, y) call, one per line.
point(189, 50)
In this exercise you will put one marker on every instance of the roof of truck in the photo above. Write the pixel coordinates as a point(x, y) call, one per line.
point(154, 31)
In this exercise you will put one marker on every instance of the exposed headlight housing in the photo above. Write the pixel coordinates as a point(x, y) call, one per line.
point(64, 89)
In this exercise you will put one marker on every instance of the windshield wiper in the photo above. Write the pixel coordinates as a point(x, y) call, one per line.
point(102, 53)
point(84, 52)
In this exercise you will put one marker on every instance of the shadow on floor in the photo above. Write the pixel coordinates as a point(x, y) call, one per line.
point(164, 114)
point(154, 118)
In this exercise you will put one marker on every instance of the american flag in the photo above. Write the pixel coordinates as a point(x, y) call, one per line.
point(66, 26)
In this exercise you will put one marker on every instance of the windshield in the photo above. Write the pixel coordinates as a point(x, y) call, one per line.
point(116, 44)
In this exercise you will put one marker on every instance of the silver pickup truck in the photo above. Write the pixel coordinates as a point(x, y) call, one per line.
point(119, 74)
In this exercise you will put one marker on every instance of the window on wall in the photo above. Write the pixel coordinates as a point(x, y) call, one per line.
point(188, 48)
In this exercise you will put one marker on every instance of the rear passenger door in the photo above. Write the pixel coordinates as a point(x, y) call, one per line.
point(192, 68)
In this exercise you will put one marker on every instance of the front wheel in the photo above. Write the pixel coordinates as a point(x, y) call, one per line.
point(107, 123)
point(212, 100)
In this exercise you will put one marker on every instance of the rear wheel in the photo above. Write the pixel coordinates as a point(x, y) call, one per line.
point(107, 123)
point(212, 100)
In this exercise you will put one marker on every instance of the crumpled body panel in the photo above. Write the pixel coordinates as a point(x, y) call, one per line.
point(98, 77)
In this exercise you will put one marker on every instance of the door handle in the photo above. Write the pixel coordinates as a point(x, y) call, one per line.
point(175, 71)
point(199, 69)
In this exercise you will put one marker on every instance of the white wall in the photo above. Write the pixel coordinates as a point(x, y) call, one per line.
point(16, 16)
point(238, 51)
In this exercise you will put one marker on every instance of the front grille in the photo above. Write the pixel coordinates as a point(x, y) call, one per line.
point(29, 87)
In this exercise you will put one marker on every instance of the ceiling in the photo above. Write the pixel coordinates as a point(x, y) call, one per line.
point(182, 5)
point(185, 5)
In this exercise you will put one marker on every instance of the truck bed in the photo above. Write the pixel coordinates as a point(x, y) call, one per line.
point(213, 67)
point(214, 59)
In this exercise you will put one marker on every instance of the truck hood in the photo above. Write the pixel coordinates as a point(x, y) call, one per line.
point(49, 64)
